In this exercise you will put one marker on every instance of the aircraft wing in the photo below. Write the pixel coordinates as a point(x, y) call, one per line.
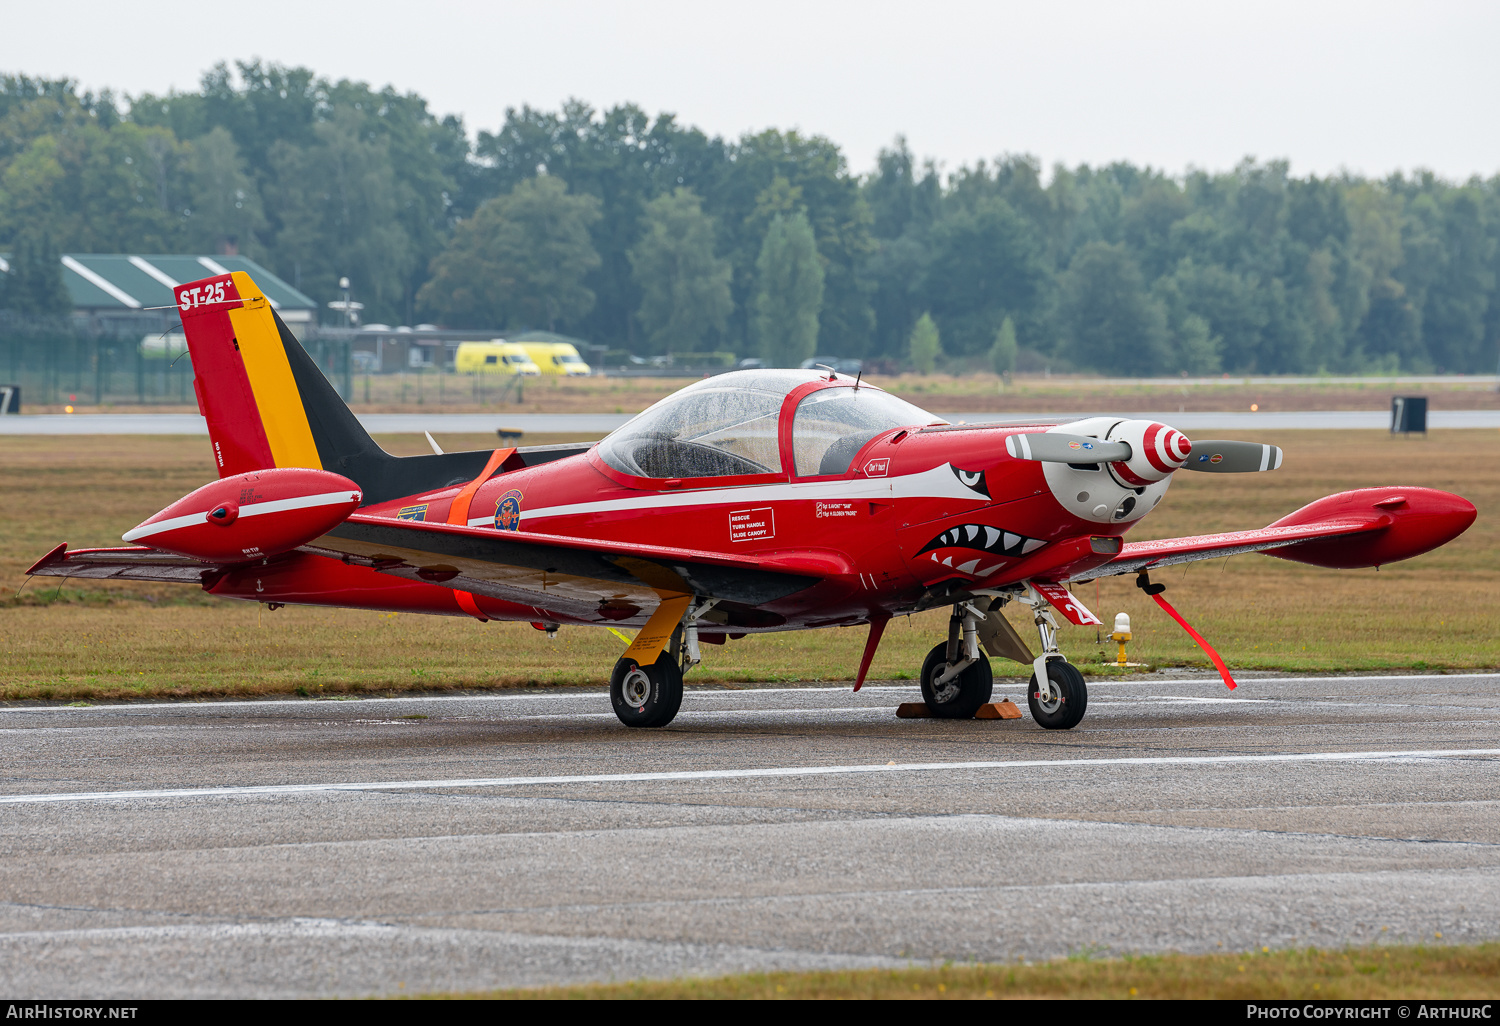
point(127, 563)
point(563, 573)
point(568, 575)
point(1149, 555)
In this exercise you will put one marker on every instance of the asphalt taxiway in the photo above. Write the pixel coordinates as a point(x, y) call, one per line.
point(383, 846)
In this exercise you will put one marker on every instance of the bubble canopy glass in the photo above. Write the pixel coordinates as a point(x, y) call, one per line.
point(833, 424)
point(728, 425)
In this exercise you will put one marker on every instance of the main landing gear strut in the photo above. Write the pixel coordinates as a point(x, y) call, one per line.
point(649, 695)
point(956, 678)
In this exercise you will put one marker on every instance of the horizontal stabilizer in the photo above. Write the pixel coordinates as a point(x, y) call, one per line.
point(128, 563)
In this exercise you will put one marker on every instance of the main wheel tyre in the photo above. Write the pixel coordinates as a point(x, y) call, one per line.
point(1070, 697)
point(960, 697)
point(646, 696)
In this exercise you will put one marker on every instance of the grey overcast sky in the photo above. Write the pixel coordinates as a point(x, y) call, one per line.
point(1368, 86)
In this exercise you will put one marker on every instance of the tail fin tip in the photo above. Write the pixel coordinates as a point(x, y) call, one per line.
point(257, 388)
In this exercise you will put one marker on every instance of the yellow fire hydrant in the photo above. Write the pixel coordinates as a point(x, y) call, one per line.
point(1121, 634)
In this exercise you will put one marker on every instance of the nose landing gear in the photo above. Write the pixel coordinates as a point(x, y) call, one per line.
point(1058, 696)
point(956, 677)
point(1063, 703)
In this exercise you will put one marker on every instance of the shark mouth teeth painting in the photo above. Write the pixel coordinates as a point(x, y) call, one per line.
point(991, 541)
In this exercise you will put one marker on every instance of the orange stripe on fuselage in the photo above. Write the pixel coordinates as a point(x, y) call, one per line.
point(276, 396)
point(458, 511)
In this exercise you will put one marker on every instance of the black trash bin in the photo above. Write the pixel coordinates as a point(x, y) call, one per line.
point(1408, 414)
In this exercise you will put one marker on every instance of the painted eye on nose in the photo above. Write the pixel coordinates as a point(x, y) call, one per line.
point(973, 480)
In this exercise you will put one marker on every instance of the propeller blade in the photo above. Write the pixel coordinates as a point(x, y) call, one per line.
point(1052, 447)
point(1216, 456)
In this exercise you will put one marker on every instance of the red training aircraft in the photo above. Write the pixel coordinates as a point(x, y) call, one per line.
point(750, 502)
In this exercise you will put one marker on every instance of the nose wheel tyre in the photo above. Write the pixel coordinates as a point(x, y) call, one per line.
point(646, 696)
point(1069, 701)
point(960, 697)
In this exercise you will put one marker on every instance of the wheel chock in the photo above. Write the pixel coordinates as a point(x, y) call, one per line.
point(990, 711)
point(1005, 710)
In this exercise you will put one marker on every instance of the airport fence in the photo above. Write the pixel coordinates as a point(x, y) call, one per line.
point(60, 360)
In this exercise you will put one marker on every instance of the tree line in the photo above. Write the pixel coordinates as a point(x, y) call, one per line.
point(640, 233)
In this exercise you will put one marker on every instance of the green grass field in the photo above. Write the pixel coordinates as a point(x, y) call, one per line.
point(89, 640)
point(1360, 974)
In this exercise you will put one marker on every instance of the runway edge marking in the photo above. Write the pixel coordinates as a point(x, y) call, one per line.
point(740, 774)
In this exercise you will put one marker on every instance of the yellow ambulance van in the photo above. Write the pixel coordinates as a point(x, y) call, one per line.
point(496, 356)
point(556, 358)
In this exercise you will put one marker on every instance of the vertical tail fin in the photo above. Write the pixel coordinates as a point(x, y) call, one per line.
point(268, 405)
point(246, 377)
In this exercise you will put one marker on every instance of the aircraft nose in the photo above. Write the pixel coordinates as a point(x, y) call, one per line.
point(1156, 450)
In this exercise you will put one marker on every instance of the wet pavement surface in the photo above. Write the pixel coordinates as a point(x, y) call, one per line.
point(383, 846)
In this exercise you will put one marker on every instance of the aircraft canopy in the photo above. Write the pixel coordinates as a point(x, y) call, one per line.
point(728, 426)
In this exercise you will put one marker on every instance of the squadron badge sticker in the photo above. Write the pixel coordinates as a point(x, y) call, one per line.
point(508, 511)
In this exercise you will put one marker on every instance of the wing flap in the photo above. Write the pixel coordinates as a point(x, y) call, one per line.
point(1148, 555)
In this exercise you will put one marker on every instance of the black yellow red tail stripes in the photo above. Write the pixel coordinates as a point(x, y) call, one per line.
point(268, 405)
point(243, 379)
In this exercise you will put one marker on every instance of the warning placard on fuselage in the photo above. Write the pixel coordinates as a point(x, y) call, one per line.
point(751, 524)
